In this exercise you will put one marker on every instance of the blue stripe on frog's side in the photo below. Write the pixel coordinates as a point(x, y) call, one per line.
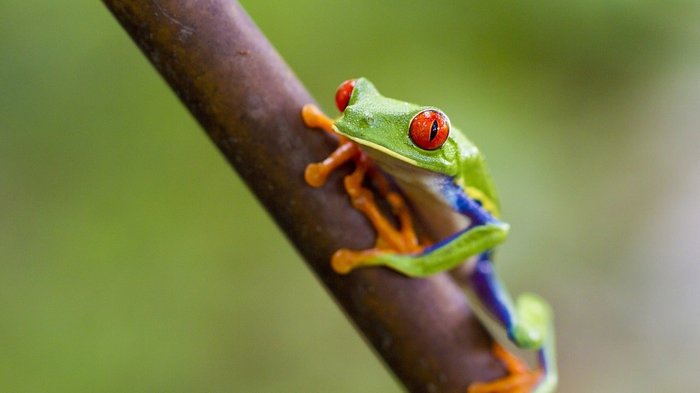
point(491, 291)
point(484, 281)
point(457, 198)
point(460, 201)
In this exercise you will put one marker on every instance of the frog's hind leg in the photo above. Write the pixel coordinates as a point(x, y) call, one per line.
point(529, 325)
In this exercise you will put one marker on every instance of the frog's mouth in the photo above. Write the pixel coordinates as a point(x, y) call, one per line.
point(379, 148)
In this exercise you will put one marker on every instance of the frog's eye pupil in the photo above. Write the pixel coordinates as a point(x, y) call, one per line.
point(342, 96)
point(433, 130)
point(429, 129)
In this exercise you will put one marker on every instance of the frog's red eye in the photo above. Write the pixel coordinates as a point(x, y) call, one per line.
point(429, 129)
point(342, 96)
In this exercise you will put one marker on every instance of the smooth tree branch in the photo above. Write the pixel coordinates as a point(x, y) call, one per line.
point(248, 101)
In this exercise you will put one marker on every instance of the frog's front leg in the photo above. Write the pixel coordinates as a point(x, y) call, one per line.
point(317, 173)
point(403, 240)
point(390, 241)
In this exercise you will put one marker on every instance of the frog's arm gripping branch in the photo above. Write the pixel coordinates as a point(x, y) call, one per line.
point(248, 101)
point(403, 240)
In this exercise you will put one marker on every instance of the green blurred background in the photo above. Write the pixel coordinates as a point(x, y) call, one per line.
point(133, 259)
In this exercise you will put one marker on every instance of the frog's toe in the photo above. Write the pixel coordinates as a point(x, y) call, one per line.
point(344, 260)
point(514, 383)
point(526, 337)
point(519, 379)
point(533, 322)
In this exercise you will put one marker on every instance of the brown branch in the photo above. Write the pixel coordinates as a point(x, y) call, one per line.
point(248, 101)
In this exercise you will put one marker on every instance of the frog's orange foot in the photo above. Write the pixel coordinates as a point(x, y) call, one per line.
point(344, 260)
point(315, 175)
point(314, 118)
point(514, 383)
point(520, 379)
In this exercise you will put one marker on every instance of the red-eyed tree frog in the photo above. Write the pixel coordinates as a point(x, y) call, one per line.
point(444, 178)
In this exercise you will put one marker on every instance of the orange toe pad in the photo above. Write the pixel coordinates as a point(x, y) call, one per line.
point(520, 378)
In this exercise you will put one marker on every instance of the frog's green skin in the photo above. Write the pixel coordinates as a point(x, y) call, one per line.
point(452, 192)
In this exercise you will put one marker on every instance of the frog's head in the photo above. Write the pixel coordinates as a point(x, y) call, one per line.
point(391, 130)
